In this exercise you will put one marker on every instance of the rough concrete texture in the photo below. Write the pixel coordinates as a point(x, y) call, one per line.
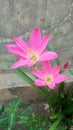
point(19, 17)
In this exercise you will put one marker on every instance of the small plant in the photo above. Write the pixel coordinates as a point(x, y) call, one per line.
point(13, 116)
point(47, 80)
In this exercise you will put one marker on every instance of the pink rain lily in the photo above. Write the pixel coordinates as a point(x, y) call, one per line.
point(49, 76)
point(31, 53)
point(66, 65)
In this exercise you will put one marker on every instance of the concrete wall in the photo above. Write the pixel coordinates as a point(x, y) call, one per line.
point(19, 17)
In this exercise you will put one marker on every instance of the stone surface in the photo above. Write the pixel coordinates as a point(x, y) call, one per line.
point(54, 17)
point(19, 17)
point(27, 93)
point(12, 80)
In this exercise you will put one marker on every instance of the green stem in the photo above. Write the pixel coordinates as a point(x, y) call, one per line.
point(61, 88)
point(11, 123)
point(53, 49)
point(56, 123)
point(71, 71)
point(42, 90)
point(25, 77)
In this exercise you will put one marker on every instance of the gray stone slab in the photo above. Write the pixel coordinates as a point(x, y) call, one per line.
point(12, 86)
point(11, 80)
point(19, 17)
point(29, 95)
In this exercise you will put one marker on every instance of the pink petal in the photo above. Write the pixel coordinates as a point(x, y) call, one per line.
point(38, 73)
point(39, 82)
point(19, 63)
point(60, 78)
point(56, 70)
point(30, 63)
point(21, 44)
point(35, 38)
point(15, 49)
point(47, 67)
point(51, 85)
point(48, 55)
point(44, 43)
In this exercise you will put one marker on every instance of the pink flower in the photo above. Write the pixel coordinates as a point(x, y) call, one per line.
point(65, 67)
point(31, 53)
point(49, 76)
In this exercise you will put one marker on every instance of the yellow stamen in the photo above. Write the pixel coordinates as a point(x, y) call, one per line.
point(34, 58)
point(32, 54)
point(49, 79)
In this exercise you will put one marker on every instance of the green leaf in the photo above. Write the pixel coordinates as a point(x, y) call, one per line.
point(13, 106)
point(55, 116)
point(56, 123)
point(53, 49)
point(28, 80)
point(21, 73)
point(62, 127)
point(68, 110)
point(1, 107)
point(33, 121)
point(11, 121)
point(3, 121)
point(24, 110)
point(61, 87)
point(71, 71)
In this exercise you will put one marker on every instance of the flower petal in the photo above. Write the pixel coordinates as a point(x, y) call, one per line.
point(60, 78)
point(38, 73)
point(39, 82)
point(44, 43)
point(47, 67)
point(35, 38)
point(30, 63)
point(21, 44)
point(51, 85)
point(56, 70)
point(48, 55)
point(20, 62)
point(15, 49)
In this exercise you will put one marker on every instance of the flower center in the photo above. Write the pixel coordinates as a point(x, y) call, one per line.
point(34, 58)
point(32, 54)
point(48, 79)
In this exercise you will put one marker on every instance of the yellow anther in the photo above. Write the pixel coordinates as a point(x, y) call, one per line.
point(32, 54)
point(49, 79)
point(34, 58)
